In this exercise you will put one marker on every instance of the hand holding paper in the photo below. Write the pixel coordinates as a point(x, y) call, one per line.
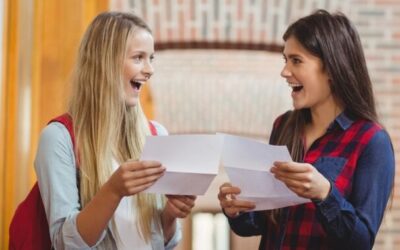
point(303, 179)
point(228, 202)
point(247, 163)
point(191, 162)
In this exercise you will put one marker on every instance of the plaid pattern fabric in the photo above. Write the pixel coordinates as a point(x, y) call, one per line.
point(335, 155)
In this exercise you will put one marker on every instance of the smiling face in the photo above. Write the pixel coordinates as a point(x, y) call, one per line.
point(306, 76)
point(137, 64)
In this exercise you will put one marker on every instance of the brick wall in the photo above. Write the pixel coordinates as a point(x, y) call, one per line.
point(239, 91)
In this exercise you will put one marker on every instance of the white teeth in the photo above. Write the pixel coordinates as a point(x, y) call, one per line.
point(136, 81)
point(294, 85)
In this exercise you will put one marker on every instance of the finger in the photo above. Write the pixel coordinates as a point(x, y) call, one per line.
point(189, 200)
point(184, 198)
point(148, 172)
point(300, 186)
point(239, 204)
point(144, 180)
point(191, 197)
point(137, 189)
point(304, 177)
point(182, 201)
point(180, 204)
point(226, 184)
point(179, 211)
point(228, 190)
point(145, 163)
point(234, 212)
point(138, 165)
point(301, 192)
point(290, 167)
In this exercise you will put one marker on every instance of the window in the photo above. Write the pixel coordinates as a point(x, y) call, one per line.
point(210, 232)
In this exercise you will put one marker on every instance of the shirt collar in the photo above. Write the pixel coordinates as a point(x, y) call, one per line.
point(343, 120)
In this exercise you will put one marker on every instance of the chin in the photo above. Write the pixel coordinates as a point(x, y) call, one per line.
point(131, 103)
point(298, 105)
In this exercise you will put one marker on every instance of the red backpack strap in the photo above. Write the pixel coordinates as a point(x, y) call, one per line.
point(153, 129)
point(29, 228)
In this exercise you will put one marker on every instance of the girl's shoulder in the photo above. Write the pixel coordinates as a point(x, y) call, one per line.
point(282, 118)
point(55, 133)
point(364, 126)
point(369, 133)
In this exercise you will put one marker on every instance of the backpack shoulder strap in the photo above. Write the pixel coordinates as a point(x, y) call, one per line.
point(153, 129)
point(29, 228)
point(66, 120)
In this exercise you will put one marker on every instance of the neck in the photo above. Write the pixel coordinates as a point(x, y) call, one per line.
point(323, 116)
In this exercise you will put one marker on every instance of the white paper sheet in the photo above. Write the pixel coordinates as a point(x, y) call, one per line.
point(191, 162)
point(247, 163)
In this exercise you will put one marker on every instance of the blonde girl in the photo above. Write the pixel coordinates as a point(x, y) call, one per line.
point(101, 205)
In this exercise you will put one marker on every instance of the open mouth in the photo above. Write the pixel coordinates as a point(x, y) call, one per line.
point(296, 87)
point(136, 84)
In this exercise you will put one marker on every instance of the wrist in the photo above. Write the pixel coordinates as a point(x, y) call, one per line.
point(110, 192)
point(231, 215)
point(167, 218)
point(326, 192)
point(168, 222)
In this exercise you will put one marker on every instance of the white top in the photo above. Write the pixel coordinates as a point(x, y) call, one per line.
point(127, 225)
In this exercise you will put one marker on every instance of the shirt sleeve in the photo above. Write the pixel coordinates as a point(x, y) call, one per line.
point(355, 222)
point(176, 238)
point(57, 178)
point(157, 234)
point(249, 224)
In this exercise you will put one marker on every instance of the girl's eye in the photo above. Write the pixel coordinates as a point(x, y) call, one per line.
point(137, 59)
point(296, 61)
point(151, 58)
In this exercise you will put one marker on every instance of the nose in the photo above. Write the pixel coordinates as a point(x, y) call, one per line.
point(148, 69)
point(285, 73)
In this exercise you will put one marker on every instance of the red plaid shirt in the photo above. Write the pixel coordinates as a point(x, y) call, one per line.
point(357, 158)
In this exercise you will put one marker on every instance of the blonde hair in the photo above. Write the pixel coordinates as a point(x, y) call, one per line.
point(105, 128)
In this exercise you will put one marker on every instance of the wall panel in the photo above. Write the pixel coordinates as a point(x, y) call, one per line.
point(34, 85)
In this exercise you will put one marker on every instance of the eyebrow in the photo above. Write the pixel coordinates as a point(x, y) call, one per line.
point(140, 51)
point(291, 55)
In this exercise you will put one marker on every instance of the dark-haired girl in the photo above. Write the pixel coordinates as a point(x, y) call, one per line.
point(343, 160)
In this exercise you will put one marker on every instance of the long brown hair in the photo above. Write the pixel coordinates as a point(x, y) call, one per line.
point(334, 40)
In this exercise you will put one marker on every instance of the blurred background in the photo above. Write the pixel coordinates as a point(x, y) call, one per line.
point(217, 70)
